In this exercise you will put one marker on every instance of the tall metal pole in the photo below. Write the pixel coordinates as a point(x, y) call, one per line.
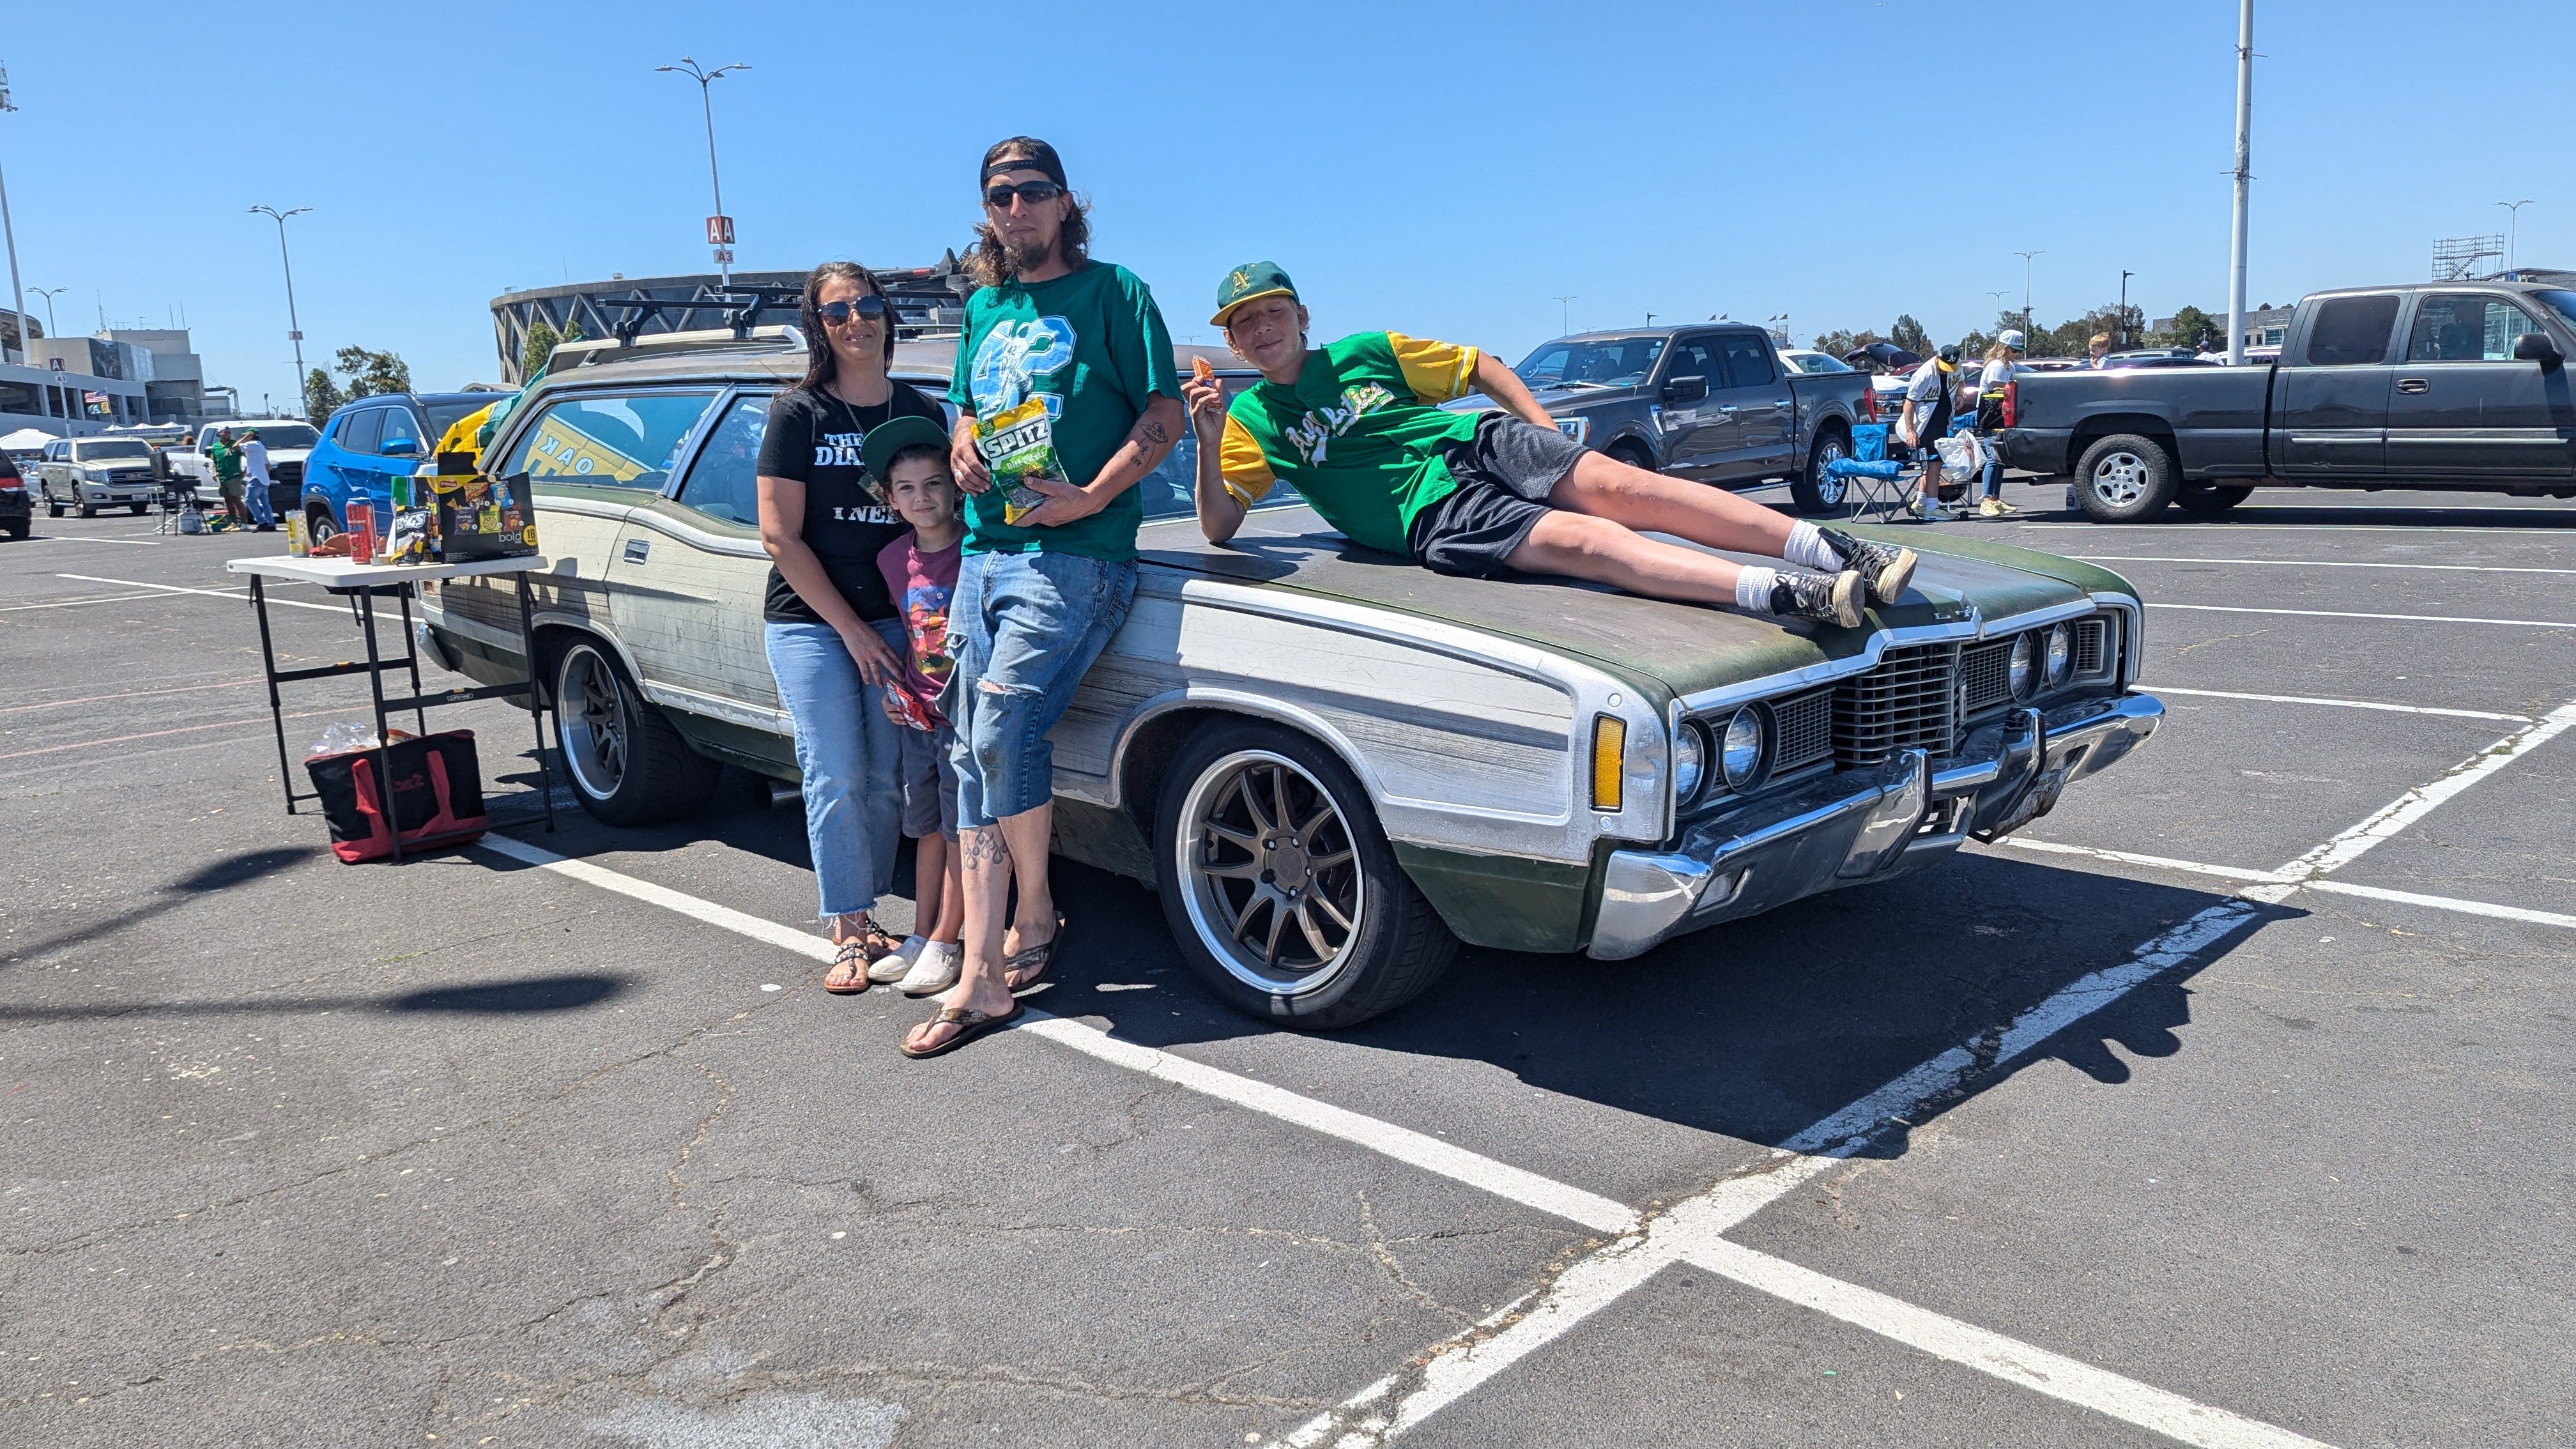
point(2124, 306)
point(2026, 328)
point(17, 299)
point(49, 294)
point(2244, 180)
point(2512, 224)
point(688, 66)
point(294, 328)
point(1564, 314)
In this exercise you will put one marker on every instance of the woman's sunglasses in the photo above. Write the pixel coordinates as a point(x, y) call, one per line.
point(999, 197)
point(839, 313)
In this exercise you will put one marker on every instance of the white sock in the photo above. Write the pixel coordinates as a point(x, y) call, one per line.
point(1807, 548)
point(1753, 586)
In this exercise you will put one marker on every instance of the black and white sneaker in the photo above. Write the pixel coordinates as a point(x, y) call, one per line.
point(1887, 568)
point(1825, 598)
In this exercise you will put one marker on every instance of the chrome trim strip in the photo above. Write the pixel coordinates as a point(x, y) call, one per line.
point(690, 701)
point(2039, 618)
point(2133, 635)
point(1830, 670)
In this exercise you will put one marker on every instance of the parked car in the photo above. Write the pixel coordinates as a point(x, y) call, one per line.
point(289, 442)
point(2431, 385)
point(94, 473)
point(1521, 764)
point(1708, 401)
point(367, 443)
point(2157, 357)
point(1808, 360)
point(17, 513)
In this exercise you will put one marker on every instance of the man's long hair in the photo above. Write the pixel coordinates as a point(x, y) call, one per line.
point(989, 263)
point(820, 365)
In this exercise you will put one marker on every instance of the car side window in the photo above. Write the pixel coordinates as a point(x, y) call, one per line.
point(1748, 362)
point(399, 425)
point(2458, 327)
point(609, 441)
point(359, 432)
point(2351, 331)
point(1696, 357)
point(721, 479)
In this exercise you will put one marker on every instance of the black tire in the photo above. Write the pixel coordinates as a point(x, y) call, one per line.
point(52, 508)
point(626, 763)
point(1633, 453)
point(1387, 945)
point(138, 509)
point(89, 510)
point(2209, 499)
point(21, 527)
point(2126, 478)
point(319, 524)
point(1812, 491)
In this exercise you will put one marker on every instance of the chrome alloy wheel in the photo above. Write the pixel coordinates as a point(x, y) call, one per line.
point(1272, 882)
point(597, 728)
point(2120, 478)
point(1829, 489)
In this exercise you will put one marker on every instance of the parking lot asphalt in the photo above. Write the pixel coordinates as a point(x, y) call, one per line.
point(2219, 1106)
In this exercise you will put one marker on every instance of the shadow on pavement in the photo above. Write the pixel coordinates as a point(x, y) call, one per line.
point(238, 868)
point(523, 996)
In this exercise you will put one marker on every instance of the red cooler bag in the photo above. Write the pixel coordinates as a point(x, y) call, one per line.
point(437, 796)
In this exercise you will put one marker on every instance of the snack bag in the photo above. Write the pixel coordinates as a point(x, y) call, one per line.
point(1018, 444)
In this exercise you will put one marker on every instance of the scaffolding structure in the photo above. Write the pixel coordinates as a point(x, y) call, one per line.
point(2457, 257)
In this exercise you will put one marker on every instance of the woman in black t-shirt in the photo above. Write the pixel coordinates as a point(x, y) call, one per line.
point(835, 640)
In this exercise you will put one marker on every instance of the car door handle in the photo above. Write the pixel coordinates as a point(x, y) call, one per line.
point(636, 549)
point(2413, 384)
point(1726, 410)
point(1786, 404)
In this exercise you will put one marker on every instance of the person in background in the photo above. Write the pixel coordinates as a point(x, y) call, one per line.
point(911, 456)
point(1070, 359)
point(2097, 349)
point(254, 461)
point(830, 628)
point(227, 460)
point(1999, 369)
point(1925, 420)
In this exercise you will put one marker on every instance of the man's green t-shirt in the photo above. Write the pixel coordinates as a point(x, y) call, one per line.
point(227, 460)
point(1360, 435)
point(1093, 345)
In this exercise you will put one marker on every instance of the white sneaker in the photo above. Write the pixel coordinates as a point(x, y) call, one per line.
point(894, 967)
point(938, 969)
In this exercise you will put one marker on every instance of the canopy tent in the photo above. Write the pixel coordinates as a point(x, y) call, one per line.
point(25, 440)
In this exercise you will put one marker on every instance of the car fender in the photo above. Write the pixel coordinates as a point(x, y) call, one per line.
point(1247, 705)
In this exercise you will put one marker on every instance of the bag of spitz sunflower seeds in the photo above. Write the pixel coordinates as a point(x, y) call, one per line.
point(1019, 445)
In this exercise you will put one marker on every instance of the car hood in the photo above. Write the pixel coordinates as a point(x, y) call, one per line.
point(1664, 649)
point(1550, 398)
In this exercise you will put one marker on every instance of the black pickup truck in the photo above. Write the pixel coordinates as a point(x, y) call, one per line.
point(2443, 385)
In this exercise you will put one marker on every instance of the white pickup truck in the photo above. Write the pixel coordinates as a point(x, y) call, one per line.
point(288, 441)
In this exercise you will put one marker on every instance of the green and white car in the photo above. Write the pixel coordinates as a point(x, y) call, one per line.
point(1334, 765)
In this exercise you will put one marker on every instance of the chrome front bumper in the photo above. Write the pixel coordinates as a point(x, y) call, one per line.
point(1864, 825)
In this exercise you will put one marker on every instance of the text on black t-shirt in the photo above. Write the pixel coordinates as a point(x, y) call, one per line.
point(813, 437)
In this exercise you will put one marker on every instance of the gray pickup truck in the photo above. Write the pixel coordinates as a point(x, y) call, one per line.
point(1710, 402)
point(2445, 385)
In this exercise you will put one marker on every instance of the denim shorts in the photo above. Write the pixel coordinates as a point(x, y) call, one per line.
point(929, 783)
point(1023, 628)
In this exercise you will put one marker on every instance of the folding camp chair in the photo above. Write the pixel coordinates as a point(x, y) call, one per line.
point(1873, 484)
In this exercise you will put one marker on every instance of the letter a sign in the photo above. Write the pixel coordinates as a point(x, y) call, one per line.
point(719, 231)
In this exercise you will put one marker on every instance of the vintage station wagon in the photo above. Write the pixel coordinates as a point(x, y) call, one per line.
point(1334, 765)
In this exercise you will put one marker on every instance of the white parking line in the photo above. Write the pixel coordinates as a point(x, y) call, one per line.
point(2350, 614)
point(2337, 703)
point(236, 595)
point(2311, 563)
point(2168, 530)
point(2158, 862)
point(75, 538)
point(1689, 1232)
point(2443, 903)
point(76, 603)
point(2391, 819)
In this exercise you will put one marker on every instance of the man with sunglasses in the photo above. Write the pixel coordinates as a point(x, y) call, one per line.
point(1066, 398)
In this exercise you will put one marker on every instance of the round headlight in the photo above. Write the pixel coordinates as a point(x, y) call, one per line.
point(1690, 762)
point(2024, 656)
point(2061, 654)
point(1740, 754)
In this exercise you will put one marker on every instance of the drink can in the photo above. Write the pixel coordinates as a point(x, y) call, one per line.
point(297, 545)
point(362, 531)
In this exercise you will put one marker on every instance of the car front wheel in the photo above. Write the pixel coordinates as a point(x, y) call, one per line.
point(1281, 889)
point(1814, 491)
point(319, 524)
point(627, 764)
point(2125, 478)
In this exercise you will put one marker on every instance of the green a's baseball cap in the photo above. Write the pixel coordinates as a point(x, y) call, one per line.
point(1246, 282)
point(877, 449)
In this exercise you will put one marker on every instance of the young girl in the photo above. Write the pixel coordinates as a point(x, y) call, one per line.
point(910, 455)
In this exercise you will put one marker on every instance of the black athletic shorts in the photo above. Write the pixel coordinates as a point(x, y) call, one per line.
point(1504, 473)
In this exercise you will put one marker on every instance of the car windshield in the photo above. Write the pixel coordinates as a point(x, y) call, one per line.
point(285, 435)
point(101, 452)
point(1815, 362)
point(1167, 492)
point(445, 412)
point(1608, 362)
point(2561, 302)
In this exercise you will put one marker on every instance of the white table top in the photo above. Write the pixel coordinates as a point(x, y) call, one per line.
point(341, 573)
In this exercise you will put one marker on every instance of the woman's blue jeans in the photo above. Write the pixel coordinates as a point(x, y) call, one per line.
point(1024, 628)
point(849, 753)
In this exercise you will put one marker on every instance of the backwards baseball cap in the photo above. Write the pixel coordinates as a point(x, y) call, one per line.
point(1949, 357)
point(1247, 282)
point(2010, 337)
point(877, 449)
point(1025, 153)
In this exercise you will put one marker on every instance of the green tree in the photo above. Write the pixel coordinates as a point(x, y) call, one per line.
point(540, 349)
point(371, 373)
point(1838, 342)
point(321, 396)
point(1909, 334)
point(2192, 328)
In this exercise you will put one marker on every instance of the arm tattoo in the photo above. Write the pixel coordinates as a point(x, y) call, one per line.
point(1151, 430)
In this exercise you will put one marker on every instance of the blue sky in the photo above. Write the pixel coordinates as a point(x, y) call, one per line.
point(1446, 170)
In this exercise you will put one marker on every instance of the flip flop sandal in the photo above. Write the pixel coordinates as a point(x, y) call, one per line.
point(970, 1024)
point(850, 967)
point(874, 943)
point(1034, 959)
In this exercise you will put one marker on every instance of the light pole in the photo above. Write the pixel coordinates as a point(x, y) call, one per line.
point(2512, 215)
point(719, 226)
point(1564, 311)
point(17, 299)
point(2025, 290)
point(2244, 181)
point(49, 294)
point(2124, 307)
point(294, 328)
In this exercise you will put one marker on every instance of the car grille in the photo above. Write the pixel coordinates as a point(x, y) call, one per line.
point(1987, 670)
point(129, 475)
point(1806, 730)
point(2092, 637)
point(1905, 703)
point(289, 472)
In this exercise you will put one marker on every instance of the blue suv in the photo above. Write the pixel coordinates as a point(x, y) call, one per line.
point(370, 442)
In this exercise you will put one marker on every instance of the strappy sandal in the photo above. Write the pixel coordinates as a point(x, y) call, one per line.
point(1033, 959)
point(849, 973)
point(970, 1024)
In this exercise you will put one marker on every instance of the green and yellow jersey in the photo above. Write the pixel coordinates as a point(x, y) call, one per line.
point(1360, 434)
